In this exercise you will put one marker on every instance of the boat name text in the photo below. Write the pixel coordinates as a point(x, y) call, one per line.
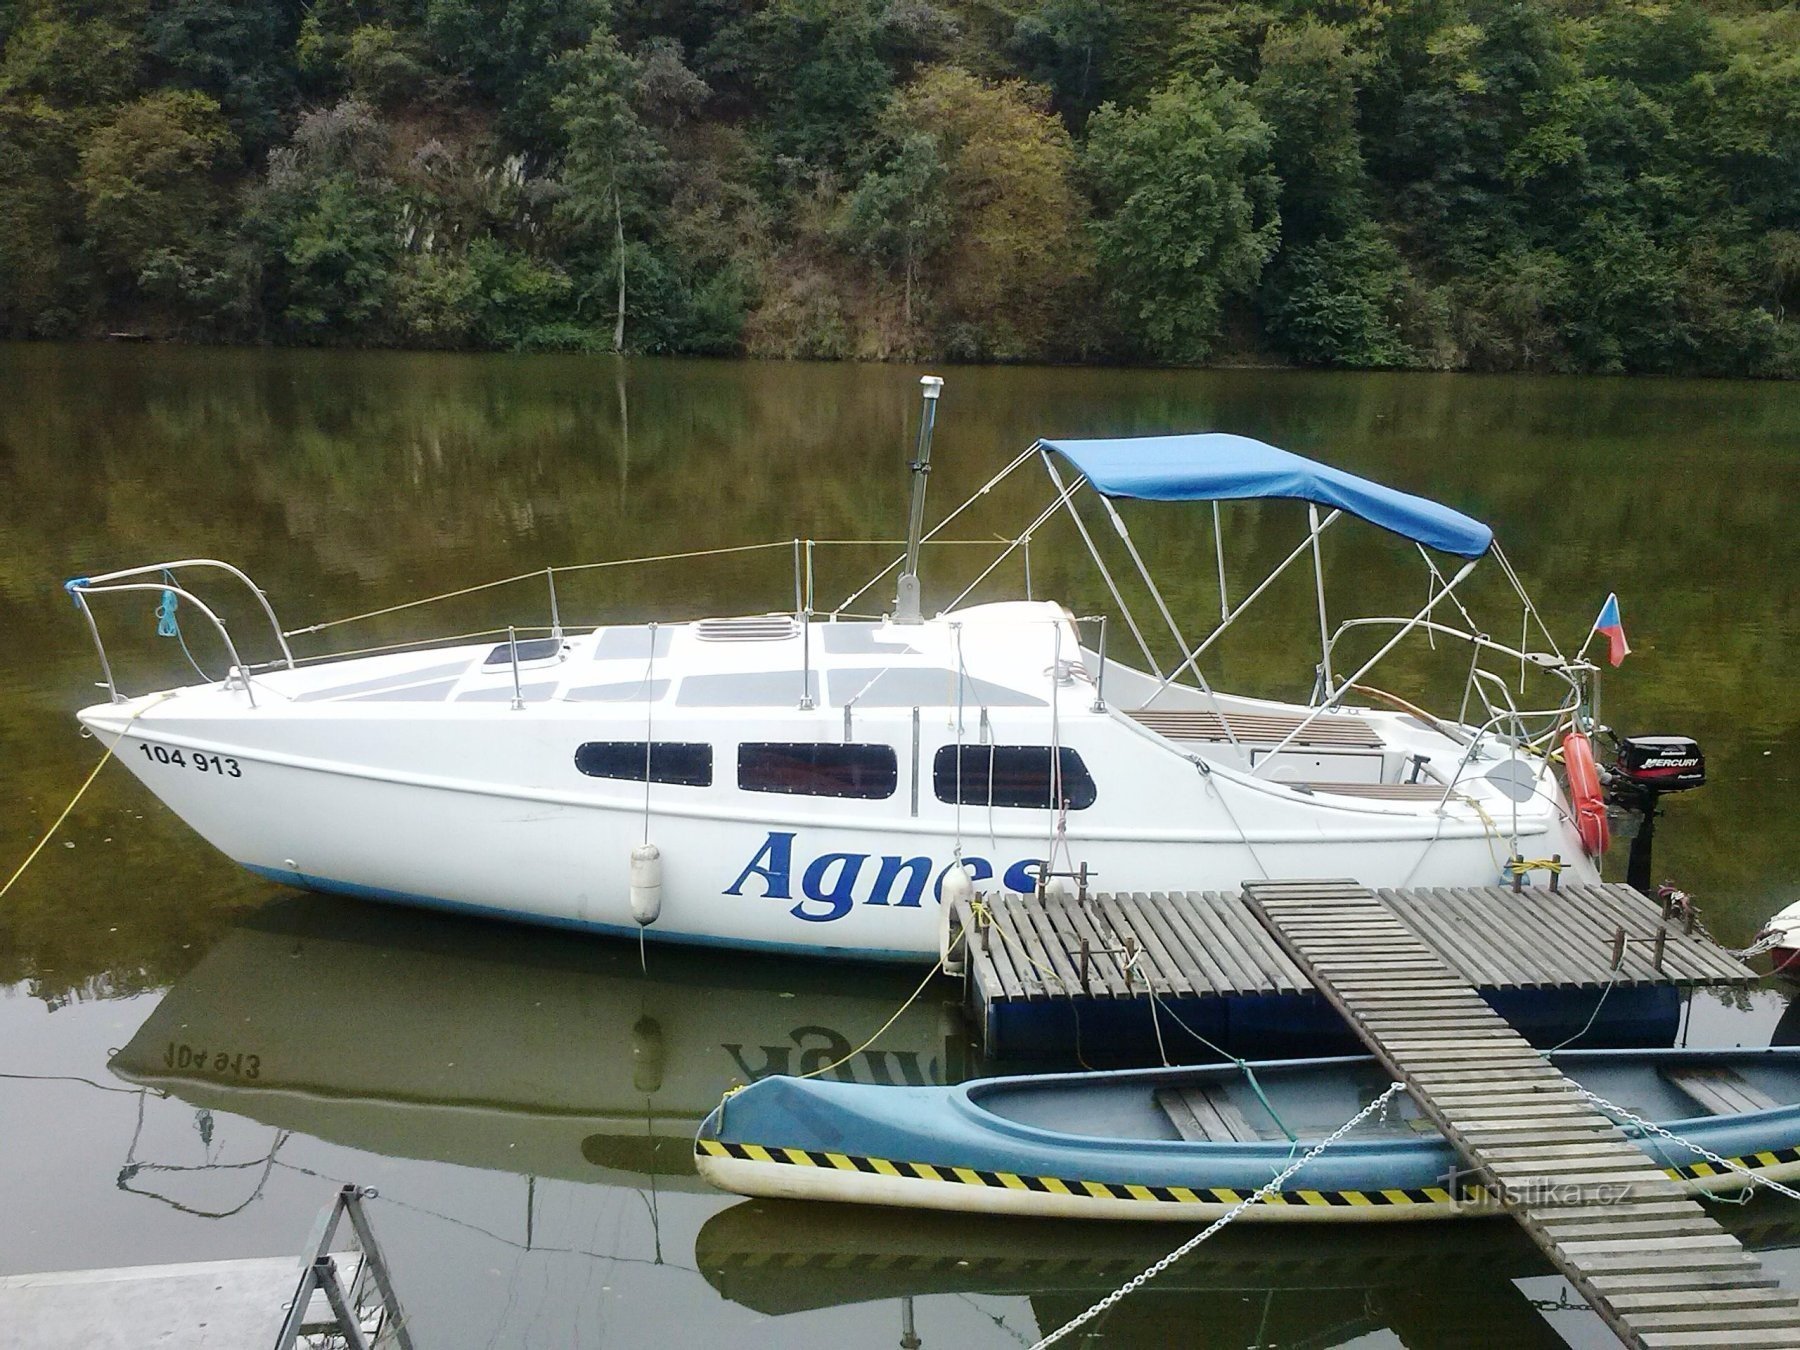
point(832, 884)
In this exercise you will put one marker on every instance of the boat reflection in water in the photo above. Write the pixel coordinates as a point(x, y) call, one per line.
point(534, 1055)
point(1425, 1284)
point(493, 1046)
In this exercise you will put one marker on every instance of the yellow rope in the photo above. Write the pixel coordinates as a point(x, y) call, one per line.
point(1491, 833)
point(1016, 949)
point(1521, 866)
point(79, 792)
point(911, 999)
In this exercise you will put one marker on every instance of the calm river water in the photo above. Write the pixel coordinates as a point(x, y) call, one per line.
point(190, 1058)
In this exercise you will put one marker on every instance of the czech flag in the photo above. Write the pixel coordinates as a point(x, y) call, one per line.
point(1613, 626)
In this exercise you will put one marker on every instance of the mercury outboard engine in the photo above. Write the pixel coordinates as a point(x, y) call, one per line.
point(1645, 768)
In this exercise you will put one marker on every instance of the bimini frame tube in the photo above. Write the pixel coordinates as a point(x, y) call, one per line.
point(1388, 646)
point(1249, 600)
point(906, 598)
point(1068, 499)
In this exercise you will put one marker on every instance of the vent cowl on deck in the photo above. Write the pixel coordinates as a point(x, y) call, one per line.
point(754, 628)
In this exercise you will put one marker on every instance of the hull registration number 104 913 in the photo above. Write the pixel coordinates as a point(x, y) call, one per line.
point(201, 763)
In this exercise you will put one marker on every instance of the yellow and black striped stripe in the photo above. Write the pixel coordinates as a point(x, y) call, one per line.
point(1775, 1157)
point(1164, 1195)
point(1097, 1190)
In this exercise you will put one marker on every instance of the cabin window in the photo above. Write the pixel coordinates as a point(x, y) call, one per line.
point(688, 763)
point(1010, 775)
point(816, 769)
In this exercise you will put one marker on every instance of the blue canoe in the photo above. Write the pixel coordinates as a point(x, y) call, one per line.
point(1190, 1143)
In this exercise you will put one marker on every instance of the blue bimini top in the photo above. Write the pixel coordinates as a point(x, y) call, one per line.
point(1215, 466)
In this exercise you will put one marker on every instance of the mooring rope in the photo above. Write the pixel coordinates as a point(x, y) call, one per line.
point(79, 793)
point(880, 1031)
point(1268, 1188)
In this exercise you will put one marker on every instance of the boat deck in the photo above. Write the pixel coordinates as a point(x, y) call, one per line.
point(1658, 1269)
point(1046, 973)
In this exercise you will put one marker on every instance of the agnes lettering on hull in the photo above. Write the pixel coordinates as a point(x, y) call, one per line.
point(831, 884)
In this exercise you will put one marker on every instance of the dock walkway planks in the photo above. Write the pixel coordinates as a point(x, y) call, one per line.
point(1202, 943)
point(1657, 1268)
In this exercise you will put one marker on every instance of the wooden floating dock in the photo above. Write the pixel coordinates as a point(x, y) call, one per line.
point(1047, 972)
point(207, 1305)
point(1656, 1267)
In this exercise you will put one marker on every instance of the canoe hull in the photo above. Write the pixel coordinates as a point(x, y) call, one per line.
point(1078, 1146)
point(1028, 1197)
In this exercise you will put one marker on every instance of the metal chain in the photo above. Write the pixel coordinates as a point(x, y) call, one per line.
point(1138, 1281)
point(1706, 1153)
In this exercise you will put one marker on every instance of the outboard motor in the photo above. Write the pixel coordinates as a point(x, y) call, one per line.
point(1644, 769)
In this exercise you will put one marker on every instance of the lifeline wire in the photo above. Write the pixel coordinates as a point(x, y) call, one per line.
point(593, 566)
point(1274, 1184)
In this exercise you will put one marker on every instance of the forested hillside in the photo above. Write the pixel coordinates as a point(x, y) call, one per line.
point(1487, 184)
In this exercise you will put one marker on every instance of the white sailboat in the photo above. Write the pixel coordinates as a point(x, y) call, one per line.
point(808, 781)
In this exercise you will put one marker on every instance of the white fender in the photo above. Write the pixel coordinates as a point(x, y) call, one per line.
point(646, 883)
point(958, 889)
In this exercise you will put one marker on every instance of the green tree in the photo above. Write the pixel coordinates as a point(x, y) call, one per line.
point(1015, 253)
point(41, 274)
point(824, 70)
point(1335, 301)
point(516, 54)
point(329, 216)
point(901, 215)
point(151, 181)
point(79, 59)
point(1063, 44)
point(1185, 212)
point(241, 52)
point(613, 165)
point(1306, 91)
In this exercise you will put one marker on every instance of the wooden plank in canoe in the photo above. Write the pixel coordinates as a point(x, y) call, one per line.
point(1721, 1089)
point(1203, 1112)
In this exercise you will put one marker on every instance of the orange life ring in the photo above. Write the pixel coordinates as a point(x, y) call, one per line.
point(1584, 791)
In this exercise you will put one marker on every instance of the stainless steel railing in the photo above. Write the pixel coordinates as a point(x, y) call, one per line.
point(119, 582)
